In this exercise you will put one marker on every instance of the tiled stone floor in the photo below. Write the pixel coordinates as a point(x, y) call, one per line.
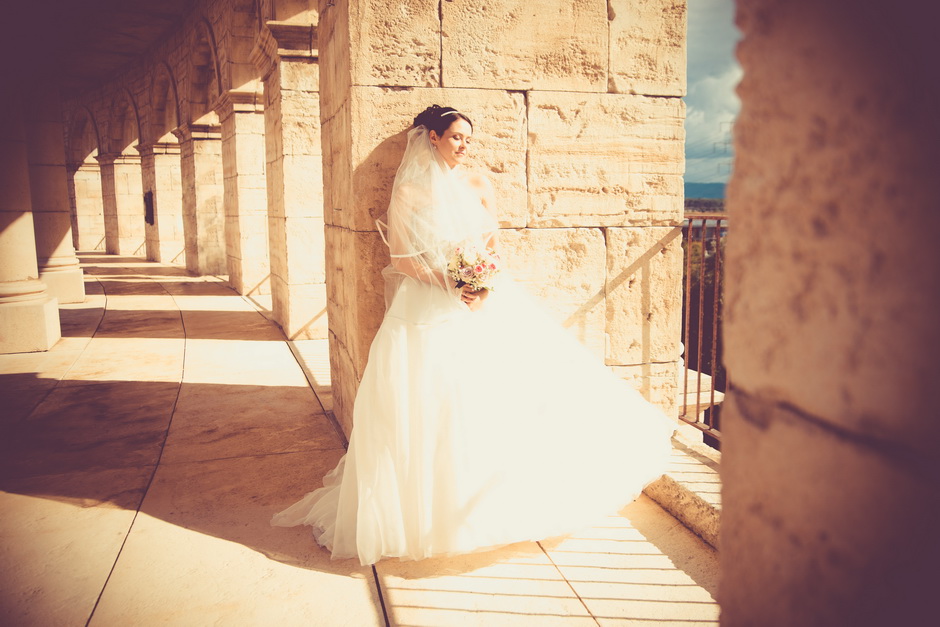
point(141, 460)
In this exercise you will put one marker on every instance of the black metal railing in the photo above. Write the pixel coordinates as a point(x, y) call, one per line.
point(704, 380)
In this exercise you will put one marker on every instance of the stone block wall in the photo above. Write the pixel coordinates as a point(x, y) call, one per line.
point(162, 177)
point(578, 123)
point(123, 204)
point(203, 216)
point(830, 482)
point(245, 197)
point(85, 190)
point(294, 179)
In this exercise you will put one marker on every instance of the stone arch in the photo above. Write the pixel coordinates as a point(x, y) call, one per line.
point(257, 15)
point(86, 206)
point(125, 128)
point(84, 140)
point(239, 72)
point(205, 84)
point(120, 177)
point(164, 106)
point(160, 170)
point(201, 170)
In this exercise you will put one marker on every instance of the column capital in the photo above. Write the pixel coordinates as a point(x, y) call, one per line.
point(198, 132)
point(284, 41)
point(111, 158)
point(294, 40)
point(158, 148)
point(237, 101)
point(83, 166)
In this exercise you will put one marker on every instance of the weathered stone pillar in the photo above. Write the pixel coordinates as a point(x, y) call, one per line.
point(245, 200)
point(58, 265)
point(831, 486)
point(288, 63)
point(203, 213)
point(84, 185)
point(122, 200)
point(163, 202)
point(29, 316)
point(588, 182)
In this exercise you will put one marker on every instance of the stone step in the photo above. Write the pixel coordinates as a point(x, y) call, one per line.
point(690, 489)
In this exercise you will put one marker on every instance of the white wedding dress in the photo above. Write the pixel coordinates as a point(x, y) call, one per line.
point(476, 429)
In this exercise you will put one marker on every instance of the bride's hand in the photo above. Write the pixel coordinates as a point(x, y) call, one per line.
point(473, 300)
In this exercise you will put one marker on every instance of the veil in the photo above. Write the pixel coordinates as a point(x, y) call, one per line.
point(432, 211)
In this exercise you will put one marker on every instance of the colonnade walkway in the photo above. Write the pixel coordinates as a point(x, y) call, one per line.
point(142, 458)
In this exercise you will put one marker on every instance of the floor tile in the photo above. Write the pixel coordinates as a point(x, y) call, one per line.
point(242, 362)
point(641, 567)
point(203, 552)
point(215, 421)
point(514, 585)
point(95, 425)
point(129, 359)
point(59, 538)
point(230, 325)
point(140, 324)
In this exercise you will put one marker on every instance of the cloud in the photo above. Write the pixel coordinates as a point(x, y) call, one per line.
point(711, 104)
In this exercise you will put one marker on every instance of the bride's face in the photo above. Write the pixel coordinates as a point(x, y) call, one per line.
point(455, 141)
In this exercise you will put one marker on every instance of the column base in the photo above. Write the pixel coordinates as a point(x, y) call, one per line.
point(68, 286)
point(29, 326)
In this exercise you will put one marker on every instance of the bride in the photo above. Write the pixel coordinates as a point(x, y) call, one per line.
point(479, 420)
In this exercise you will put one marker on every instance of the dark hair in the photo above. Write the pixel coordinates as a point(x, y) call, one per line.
point(438, 119)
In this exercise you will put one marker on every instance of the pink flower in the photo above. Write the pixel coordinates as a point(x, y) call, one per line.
point(478, 269)
point(492, 266)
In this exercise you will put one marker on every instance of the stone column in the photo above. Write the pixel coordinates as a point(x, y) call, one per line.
point(163, 202)
point(29, 315)
point(578, 123)
point(85, 189)
point(122, 200)
point(287, 60)
point(831, 487)
point(58, 265)
point(203, 213)
point(245, 200)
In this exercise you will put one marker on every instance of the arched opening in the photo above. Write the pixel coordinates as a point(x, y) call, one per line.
point(121, 195)
point(243, 156)
point(86, 206)
point(201, 162)
point(205, 84)
point(164, 107)
point(160, 168)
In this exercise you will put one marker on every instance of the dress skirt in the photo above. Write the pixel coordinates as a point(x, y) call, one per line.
point(478, 429)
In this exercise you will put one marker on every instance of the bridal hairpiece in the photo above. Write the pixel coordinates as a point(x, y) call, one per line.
point(450, 112)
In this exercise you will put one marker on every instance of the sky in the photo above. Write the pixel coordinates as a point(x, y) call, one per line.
point(711, 104)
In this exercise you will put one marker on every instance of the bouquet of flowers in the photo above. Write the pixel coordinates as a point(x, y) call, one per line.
point(474, 266)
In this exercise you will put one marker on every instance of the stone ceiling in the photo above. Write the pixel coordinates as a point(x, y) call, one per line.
point(81, 43)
